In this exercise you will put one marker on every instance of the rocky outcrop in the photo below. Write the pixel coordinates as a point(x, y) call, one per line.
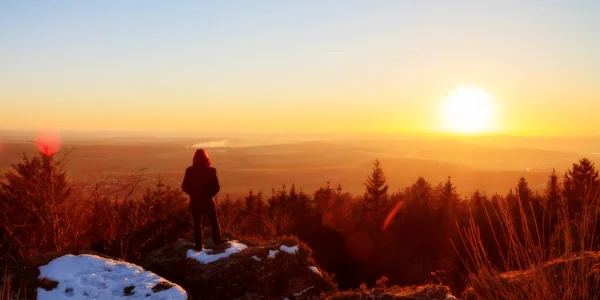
point(87, 275)
point(280, 269)
point(275, 270)
point(25, 274)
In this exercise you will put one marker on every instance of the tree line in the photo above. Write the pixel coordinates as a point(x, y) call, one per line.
point(421, 233)
point(417, 234)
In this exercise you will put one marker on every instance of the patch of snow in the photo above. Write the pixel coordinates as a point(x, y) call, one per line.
point(284, 248)
point(315, 270)
point(290, 250)
point(256, 258)
point(205, 258)
point(94, 277)
point(298, 294)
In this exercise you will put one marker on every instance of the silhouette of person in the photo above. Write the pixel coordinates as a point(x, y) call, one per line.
point(201, 184)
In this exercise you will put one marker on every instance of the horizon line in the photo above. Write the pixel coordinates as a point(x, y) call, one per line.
point(188, 133)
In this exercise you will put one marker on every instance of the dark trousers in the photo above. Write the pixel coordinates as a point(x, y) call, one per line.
point(208, 208)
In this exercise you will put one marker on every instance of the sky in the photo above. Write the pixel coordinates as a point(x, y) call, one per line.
point(296, 66)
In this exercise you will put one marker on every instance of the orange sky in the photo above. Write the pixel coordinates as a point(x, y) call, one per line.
point(313, 67)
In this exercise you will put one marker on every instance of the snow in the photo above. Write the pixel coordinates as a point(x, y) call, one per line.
point(290, 250)
point(315, 270)
point(205, 258)
point(303, 291)
point(284, 248)
point(298, 294)
point(94, 277)
point(256, 258)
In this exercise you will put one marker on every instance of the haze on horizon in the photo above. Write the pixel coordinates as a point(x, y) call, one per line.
point(312, 67)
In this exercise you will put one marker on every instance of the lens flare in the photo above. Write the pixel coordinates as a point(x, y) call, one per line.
point(391, 215)
point(48, 142)
point(360, 245)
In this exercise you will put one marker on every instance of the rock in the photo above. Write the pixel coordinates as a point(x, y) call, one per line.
point(25, 274)
point(47, 284)
point(249, 274)
point(29, 283)
point(429, 292)
point(128, 291)
point(163, 286)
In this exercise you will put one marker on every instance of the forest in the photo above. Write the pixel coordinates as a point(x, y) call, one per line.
point(422, 233)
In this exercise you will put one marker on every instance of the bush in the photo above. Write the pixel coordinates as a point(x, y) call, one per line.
point(41, 212)
point(38, 211)
point(133, 228)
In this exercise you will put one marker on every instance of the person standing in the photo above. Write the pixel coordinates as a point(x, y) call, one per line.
point(202, 185)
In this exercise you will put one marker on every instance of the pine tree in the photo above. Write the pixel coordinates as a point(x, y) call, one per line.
point(552, 195)
point(376, 195)
point(551, 202)
point(42, 174)
point(447, 209)
point(553, 191)
point(580, 184)
point(477, 203)
point(447, 217)
point(524, 192)
point(421, 196)
point(448, 197)
point(323, 198)
point(528, 211)
point(293, 195)
point(525, 198)
point(36, 191)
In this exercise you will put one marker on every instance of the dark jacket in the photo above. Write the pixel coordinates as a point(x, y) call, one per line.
point(200, 183)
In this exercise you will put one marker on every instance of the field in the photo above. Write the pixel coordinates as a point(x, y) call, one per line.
point(490, 164)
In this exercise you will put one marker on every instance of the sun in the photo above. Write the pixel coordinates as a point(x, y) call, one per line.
point(468, 110)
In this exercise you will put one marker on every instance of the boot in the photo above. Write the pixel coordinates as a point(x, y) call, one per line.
point(198, 247)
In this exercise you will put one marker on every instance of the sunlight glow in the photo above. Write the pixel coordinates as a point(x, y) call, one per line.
point(467, 110)
point(48, 142)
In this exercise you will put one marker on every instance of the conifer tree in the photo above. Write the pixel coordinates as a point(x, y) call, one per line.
point(448, 197)
point(524, 192)
point(553, 191)
point(552, 196)
point(580, 184)
point(376, 195)
point(35, 193)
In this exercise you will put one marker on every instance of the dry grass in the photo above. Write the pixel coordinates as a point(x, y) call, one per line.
point(6, 289)
point(572, 272)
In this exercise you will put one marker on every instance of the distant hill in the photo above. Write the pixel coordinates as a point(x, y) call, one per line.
point(487, 164)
